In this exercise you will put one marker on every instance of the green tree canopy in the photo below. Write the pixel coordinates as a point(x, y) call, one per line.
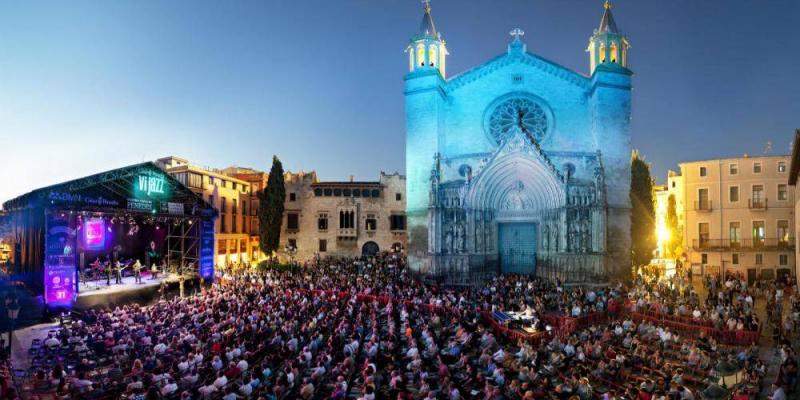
point(675, 242)
point(270, 209)
point(643, 238)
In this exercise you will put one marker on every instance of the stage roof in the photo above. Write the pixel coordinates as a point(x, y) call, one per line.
point(136, 188)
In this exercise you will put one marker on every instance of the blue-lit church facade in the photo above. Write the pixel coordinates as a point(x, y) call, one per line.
point(519, 164)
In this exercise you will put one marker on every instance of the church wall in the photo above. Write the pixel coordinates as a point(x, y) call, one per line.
point(469, 105)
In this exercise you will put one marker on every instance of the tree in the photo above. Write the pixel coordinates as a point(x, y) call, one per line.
point(643, 226)
point(675, 242)
point(270, 209)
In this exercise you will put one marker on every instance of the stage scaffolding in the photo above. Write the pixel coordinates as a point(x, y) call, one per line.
point(183, 245)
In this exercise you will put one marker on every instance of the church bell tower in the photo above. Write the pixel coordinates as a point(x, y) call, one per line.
point(427, 49)
point(607, 46)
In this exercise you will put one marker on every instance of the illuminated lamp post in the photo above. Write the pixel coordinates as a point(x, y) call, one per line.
point(12, 310)
point(291, 251)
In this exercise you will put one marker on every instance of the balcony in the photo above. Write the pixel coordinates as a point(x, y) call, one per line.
point(702, 206)
point(757, 204)
point(346, 233)
point(766, 244)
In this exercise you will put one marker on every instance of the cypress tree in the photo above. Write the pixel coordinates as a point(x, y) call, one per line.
point(270, 209)
point(643, 240)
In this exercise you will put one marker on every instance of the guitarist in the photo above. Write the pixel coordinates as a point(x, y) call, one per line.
point(137, 271)
point(118, 268)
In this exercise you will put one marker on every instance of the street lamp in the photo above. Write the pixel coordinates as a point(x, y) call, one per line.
point(291, 251)
point(12, 309)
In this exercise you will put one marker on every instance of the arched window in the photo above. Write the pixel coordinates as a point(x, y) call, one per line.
point(432, 56)
point(411, 60)
point(624, 56)
point(421, 55)
point(602, 52)
point(613, 52)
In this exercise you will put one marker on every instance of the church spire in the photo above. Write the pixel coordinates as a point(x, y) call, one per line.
point(608, 46)
point(426, 49)
point(426, 27)
point(607, 23)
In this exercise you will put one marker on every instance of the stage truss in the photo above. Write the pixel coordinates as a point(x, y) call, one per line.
point(183, 245)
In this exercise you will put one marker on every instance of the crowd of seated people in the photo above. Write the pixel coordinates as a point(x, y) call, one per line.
point(273, 335)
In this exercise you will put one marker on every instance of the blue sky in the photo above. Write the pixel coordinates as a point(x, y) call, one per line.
point(89, 86)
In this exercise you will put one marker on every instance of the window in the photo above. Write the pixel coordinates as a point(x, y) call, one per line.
point(673, 184)
point(224, 183)
point(347, 193)
point(370, 223)
point(759, 259)
point(322, 222)
point(703, 171)
point(758, 194)
point(735, 258)
point(758, 233)
point(223, 205)
point(347, 219)
point(195, 180)
point(337, 192)
point(756, 167)
point(292, 221)
point(318, 192)
point(364, 192)
point(398, 196)
point(783, 194)
point(703, 233)
point(292, 243)
point(328, 192)
point(222, 223)
point(292, 196)
point(734, 232)
point(702, 200)
point(375, 193)
point(211, 200)
point(397, 222)
point(781, 166)
point(784, 259)
point(356, 192)
point(733, 169)
point(704, 258)
point(235, 185)
point(783, 232)
point(222, 247)
point(323, 245)
point(733, 194)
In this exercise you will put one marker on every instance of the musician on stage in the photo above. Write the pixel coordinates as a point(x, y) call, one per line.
point(137, 271)
point(109, 271)
point(154, 271)
point(118, 268)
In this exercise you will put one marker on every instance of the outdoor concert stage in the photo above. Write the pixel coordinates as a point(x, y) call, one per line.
point(70, 237)
point(97, 293)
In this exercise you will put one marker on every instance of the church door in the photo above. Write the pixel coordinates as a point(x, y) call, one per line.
point(517, 244)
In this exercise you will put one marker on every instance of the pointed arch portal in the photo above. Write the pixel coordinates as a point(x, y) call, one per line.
point(518, 186)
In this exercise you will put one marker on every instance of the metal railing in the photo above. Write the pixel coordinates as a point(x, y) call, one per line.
point(702, 205)
point(758, 204)
point(744, 244)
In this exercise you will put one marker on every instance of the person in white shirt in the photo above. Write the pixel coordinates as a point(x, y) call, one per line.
point(221, 380)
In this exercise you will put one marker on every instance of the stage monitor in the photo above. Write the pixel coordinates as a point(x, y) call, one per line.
point(94, 234)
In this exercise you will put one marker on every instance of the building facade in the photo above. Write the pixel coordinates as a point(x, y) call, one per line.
point(794, 171)
point(737, 215)
point(519, 164)
point(350, 218)
point(257, 181)
point(230, 197)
